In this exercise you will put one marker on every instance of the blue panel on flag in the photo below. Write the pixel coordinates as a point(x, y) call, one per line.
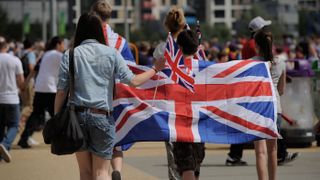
point(213, 131)
point(257, 70)
point(265, 109)
point(118, 109)
point(205, 64)
point(154, 128)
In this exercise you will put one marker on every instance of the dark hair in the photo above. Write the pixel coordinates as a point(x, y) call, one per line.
point(188, 42)
point(27, 43)
point(54, 42)
point(264, 40)
point(102, 8)
point(88, 27)
point(175, 20)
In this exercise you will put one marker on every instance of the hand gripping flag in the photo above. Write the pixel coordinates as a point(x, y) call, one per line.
point(232, 103)
point(178, 69)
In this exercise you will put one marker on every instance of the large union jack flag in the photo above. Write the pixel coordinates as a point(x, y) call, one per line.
point(179, 70)
point(232, 103)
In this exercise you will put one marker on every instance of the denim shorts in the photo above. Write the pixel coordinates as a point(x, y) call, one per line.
point(99, 133)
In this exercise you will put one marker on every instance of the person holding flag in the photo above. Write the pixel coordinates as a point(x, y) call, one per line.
point(188, 156)
point(96, 67)
point(174, 23)
point(112, 39)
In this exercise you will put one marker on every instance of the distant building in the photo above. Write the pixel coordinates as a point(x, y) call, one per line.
point(309, 5)
point(283, 11)
point(33, 8)
point(225, 12)
point(310, 11)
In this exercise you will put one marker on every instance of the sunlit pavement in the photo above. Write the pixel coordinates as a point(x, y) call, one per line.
point(148, 161)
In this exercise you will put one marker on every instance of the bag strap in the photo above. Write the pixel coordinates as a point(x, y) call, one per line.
point(71, 75)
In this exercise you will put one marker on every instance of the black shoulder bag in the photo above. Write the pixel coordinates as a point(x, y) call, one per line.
point(63, 131)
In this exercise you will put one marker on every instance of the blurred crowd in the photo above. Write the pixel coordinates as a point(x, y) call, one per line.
point(290, 48)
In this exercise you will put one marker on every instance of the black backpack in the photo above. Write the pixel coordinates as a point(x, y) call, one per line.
point(25, 65)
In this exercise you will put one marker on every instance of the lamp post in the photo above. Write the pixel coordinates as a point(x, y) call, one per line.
point(53, 16)
point(126, 25)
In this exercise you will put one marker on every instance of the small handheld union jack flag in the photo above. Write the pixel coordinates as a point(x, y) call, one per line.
point(178, 70)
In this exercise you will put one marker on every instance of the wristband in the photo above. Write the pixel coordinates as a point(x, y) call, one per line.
point(155, 70)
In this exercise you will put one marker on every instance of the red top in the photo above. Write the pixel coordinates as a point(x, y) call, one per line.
point(249, 49)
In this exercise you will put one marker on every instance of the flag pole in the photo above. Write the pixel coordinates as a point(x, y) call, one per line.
point(155, 91)
point(198, 32)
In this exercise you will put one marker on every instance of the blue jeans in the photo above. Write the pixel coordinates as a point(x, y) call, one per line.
point(9, 123)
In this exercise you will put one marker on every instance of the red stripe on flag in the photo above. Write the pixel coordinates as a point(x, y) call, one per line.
point(203, 92)
point(240, 121)
point(232, 69)
point(234, 90)
point(176, 70)
point(188, 63)
point(125, 118)
point(183, 122)
point(104, 28)
point(118, 44)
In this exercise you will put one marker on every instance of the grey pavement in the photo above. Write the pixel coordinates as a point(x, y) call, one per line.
point(148, 161)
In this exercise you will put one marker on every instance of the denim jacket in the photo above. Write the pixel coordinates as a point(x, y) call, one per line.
point(96, 66)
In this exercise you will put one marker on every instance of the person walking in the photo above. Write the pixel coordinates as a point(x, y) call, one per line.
point(11, 78)
point(236, 150)
point(28, 60)
point(266, 150)
point(102, 8)
point(45, 89)
point(174, 23)
point(96, 66)
point(188, 156)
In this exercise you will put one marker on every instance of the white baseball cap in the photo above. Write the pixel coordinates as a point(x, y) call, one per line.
point(257, 23)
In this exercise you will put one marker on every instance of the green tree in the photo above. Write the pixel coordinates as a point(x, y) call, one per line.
point(221, 31)
point(8, 29)
point(3, 21)
point(150, 31)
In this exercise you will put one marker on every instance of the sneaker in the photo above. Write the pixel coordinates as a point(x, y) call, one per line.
point(116, 175)
point(235, 162)
point(32, 142)
point(289, 158)
point(5, 154)
point(24, 144)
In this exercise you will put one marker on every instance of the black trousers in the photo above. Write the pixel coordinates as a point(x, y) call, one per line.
point(282, 147)
point(42, 102)
point(236, 151)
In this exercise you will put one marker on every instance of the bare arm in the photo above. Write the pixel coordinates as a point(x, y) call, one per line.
point(20, 81)
point(30, 76)
point(282, 83)
point(142, 78)
point(59, 100)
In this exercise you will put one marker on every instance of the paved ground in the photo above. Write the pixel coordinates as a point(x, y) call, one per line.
point(148, 161)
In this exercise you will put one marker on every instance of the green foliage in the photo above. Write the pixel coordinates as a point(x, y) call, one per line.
point(220, 31)
point(150, 31)
point(3, 21)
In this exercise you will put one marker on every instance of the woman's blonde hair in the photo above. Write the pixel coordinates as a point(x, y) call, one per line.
point(102, 8)
point(175, 20)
